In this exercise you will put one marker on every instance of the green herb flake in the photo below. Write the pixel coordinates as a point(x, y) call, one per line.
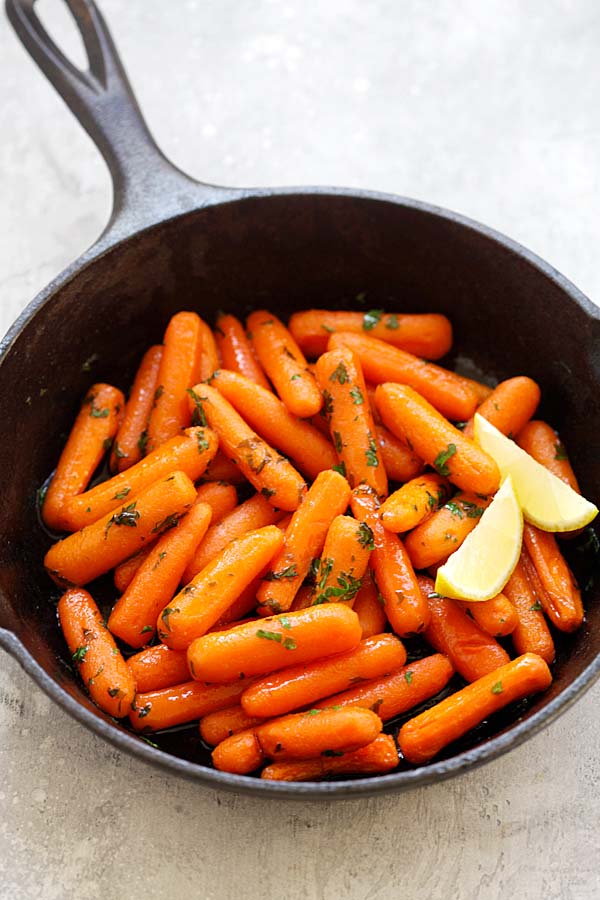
point(327, 405)
point(296, 376)
point(166, 613)
point(289, 644)
point(41, 495)
point(441, 460)
point(96, 413)
point(160, 558)
point(472, 510)
point(392, 322)
point(167, 523)
point(346, 590)
point(115, 651)
point(357, 396)
point(340, 468)
point(455, 509)
point(122, 494)
point(269, 635)
point(143, 711)
point(408, 677)
point(340, 374)
point(338, 442)
point(313, 712)
point(289, 572)
point(560, 451)
point(114, 692)
point(267, 492)
point(460, 425)
point(106, 444)
point(127, 517)
point(79, 655)
point(327, 328)
point(146, 629)
point(158, 393)
point(371, 319)
point(142, 442)
point(198, 417)
point(285, 622)
point(371, 452)
point(536, 605)
point(203, 444)
point(365, 536)
point(497, 688)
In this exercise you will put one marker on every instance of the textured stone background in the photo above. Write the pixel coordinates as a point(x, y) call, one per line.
point(490, 108)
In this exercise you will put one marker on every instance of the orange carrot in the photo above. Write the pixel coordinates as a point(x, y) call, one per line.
point(531, 635)
point(380, 362)
point(303, 598)
point(443, 532)
point(209, 354)
point(561, 598)
point(96, 549)
point(221, 468)
point(300, 685)
point(179, 370)
point(285, 640)
point(304, 539)
point(283, 361)
point(200, 604)
point(158, 667)
point(399, 461)
point(369, 608)
point(237, 352)
point(481, 391)
point(344, 561)
point(510, 406)
point(239, 609)
point(152, 587)
point(221, 724)
point(130, 441)
point(182, 703)
point(436, 441)
point(497, 616)
point(125, 571)
point(424, 736)
point(543, 443)
point(94, 428)
point(101, 667)
point(414, 502)
point(377, 758)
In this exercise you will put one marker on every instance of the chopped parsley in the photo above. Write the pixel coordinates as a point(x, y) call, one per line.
point(340, 468)
point(560, 451)
point(327, 328)
point(289, 572)
point(536, 605)
point(441, 460)
point(371, 452)
point(340, 374)
point(96, 413)
point(337, 442)
point(286, 643)
point(127, 517)
point(371, 319)
point(198, 417)
point(168, 522)
point(122, 494)
point(267, 492)
point(142, 442)
point(357, 396)
point(497, 688)
point(79, 655)
point(365, 536)
point(408, 677)
point(392, 322)
point(203, 444)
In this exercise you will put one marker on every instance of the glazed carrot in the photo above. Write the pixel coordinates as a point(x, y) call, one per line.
point(561, 599)
point(264, 468)
point(101, 667)
point(424, 334)
point(212, 591)
point(236, 350)
point(436, 441)
point(369, 608)
point(209, 354)
point(130, 441)
point(396, 693)
point(96, 549)
point(344, 561)
point(531, 635)
point(125, 571)
point(348, 411)
point(444, 531)
point(543, 443)
point(221, 468)
point(424, 736)
point(303, 598)
point(182, 703)
point(300, 685)
point(158, 667)
point(243, 606)
point(304, 540)
point(281, 641)
point(382, 363)
point(405, 606)
point(399, 461)
point(254, 513)
point(509, 407)
point(94, 427)
point(189, 453)
point(376, 758)
point(221, 724)
point(298, 736)
point(270, 418)
point(497, 616)
point(414, 502)
point(481, 391)
point(283, 361)
point(152, 587)
point(451, 631)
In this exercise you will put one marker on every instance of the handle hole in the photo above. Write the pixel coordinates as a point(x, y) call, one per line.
point(60, 25)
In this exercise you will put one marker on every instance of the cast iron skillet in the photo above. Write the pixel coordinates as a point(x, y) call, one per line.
point(174, 243)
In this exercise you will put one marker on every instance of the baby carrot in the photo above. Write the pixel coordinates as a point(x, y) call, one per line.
point(243, 606)
point(158, 667)
point(303, 598)
point(301, 685)
point(424, 334)
point(510, 406)
point(125, 571)
point(344, 561)
point(94, 428)
point(264, 468)
point(304, 539)
point(285, 640)
point(348, 411)
point(414, 502)
point(99, 547)
point(189, 452)
point(221, 468)
point(444, 531)
point(212, 591)
point(377, 758)
point(283, 361)
point(399, 461)
point(424, 736)
point(531, 635)
point(236, 350)
point(435, 440)
point(221, 724)
point(405, 606)
point(182, 703)
point(497, 616)
point(179, 370)
point(133, 617)
point(270, 418)
point(209, 354)
point(543, 443)
point(101, 667)
point(561, 598)
point(381, 362)
point(481, 391)
point(369, 608)
point(130, 441)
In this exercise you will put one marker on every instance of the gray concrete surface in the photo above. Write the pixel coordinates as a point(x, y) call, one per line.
point(490, 108)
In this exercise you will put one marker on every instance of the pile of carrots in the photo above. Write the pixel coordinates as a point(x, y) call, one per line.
point(280, 622)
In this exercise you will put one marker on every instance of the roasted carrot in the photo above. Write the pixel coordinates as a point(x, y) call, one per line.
point(270, 418)
point(133, 617)
point(189, 453)
point(405, 607)
point(424, 736)
point(130, 443)
point(561, 598)
point(351, 424)
point(264, 468)
point(158, 667)
point(369, 608)
point(344, 561)
point(99, 663)
point(399, 461)
point(377, 758)
point(300, 685)
point(221, 468)
point(304, 539)
point(221, 724)
point(510, 406)
point(424, 334)
point(209, 354)
point(283, 361)
point(281, 641)
point(155, 710)
point(531, 635)
point(94, 428)
point(97, 548)
point(237, 353)
point(381, 363)
point(414, 502)
point(212, 591)
point(543, 443)
point(435, 440)
point(444, 531)
point(497, 616)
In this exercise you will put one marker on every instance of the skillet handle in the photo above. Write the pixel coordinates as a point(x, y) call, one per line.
point(147, 187)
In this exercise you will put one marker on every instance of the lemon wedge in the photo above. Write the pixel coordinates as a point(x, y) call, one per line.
point(546, 501)
point(484, 562)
